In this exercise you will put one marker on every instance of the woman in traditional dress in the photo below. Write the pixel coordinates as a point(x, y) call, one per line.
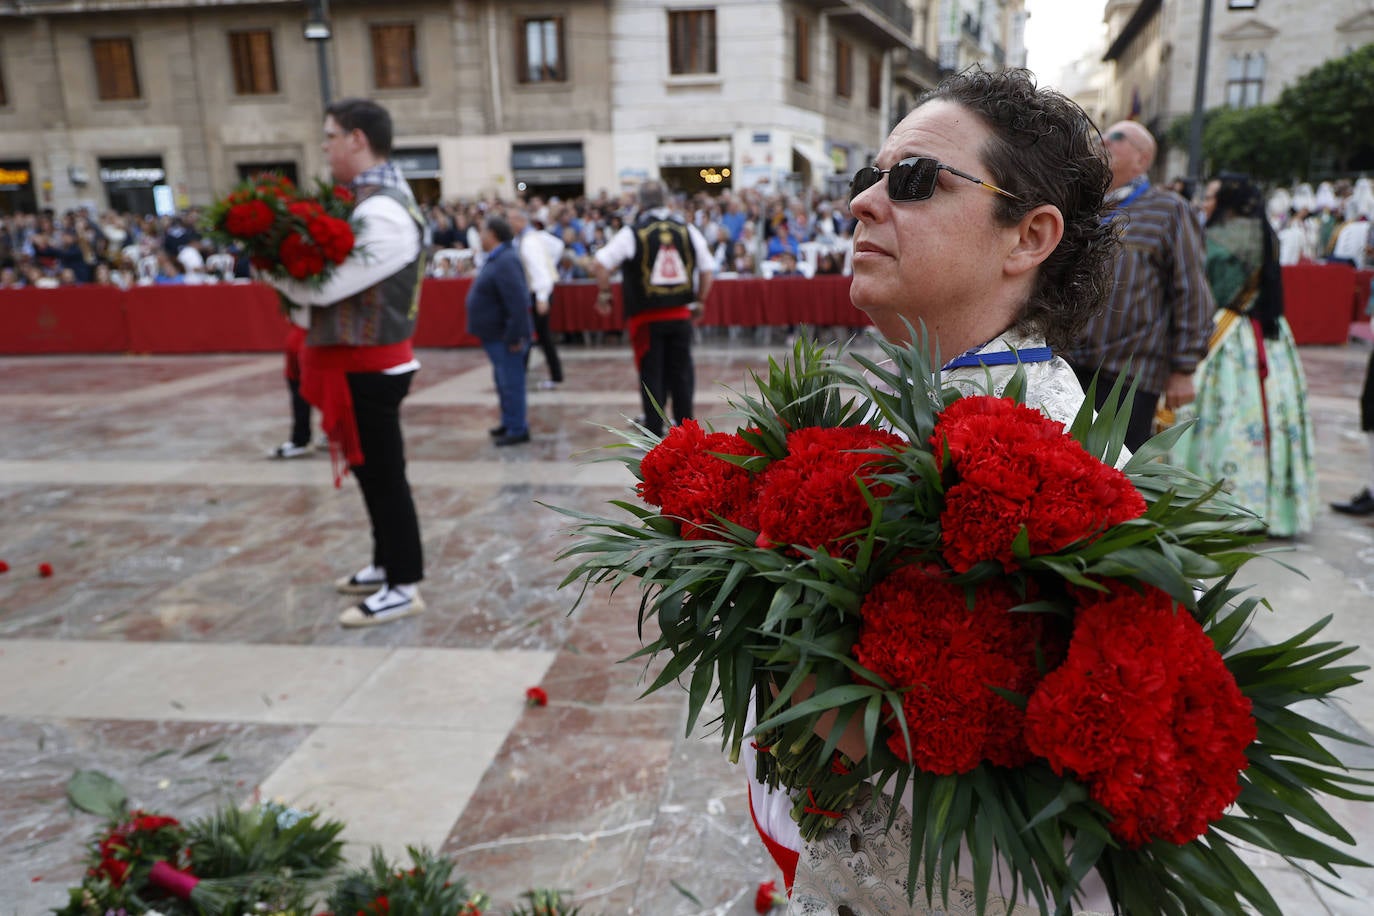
point(1252, 430)
point(982, 218)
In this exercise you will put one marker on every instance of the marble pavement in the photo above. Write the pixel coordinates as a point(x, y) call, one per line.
point(186, 642)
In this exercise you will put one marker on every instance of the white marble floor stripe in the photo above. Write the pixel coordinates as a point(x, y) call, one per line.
point(153, 392)
point(402, 736)
point(392, 787)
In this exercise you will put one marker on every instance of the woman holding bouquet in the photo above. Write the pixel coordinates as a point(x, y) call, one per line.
point(981, 219)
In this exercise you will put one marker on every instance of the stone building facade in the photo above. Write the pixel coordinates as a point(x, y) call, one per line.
point(1256, 48)
point(145, 104)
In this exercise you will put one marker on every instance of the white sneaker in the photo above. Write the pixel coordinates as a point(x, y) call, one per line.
point(384, 606)
point(290, 450)
point(363, 582)
point(549, 384)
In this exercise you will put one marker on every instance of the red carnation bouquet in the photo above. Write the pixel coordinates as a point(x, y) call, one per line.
point(287, 232)
point(1042, 649)
point(267, 858)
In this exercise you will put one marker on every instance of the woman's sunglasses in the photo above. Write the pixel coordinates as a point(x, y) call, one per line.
point(912, 179)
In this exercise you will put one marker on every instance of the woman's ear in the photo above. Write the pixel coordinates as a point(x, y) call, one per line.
point(1038, 234)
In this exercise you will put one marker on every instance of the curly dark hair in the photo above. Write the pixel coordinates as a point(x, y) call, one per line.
point(1045, 150)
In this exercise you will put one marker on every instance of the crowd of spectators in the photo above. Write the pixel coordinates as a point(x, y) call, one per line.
point(750, 233)
point(1328, 223)
point(47, 250)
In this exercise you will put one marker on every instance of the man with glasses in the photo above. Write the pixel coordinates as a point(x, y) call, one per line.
point(357, 363)
point(1154, 329)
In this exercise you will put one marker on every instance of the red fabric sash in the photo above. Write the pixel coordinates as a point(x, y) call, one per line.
point(638, 326)
point(295, 343)
point(1262, 357)
point(786, 858)
point(324, 383)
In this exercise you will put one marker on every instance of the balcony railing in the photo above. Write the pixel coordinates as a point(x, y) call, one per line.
point(897, 12)
point(923, 66)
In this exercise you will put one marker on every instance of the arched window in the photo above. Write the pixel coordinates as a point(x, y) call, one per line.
point(1245, 80)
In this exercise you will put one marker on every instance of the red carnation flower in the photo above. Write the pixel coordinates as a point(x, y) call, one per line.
point(919, 632)
point(767, 897)
point(536, 696)
point(685, 477)
point(1145, 712)
point(1014, 468)
point(344, 194)
point(305, 210)
point(300, 256)
point(115, 870)
point(151, 822)
point(45, 570)
point(249, 219)
point(814, 497)
point(333, 236)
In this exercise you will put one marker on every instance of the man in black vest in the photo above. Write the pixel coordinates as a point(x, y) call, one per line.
point(662, 256)
point(357, 364)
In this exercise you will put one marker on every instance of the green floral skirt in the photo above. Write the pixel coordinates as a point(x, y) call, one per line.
point(1256, 436)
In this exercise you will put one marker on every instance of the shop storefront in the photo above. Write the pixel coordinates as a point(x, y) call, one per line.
point(420, 166)
point(16, 187)
point(130, 183)
point(844, 161)
point(690, 166)
point(548, 169)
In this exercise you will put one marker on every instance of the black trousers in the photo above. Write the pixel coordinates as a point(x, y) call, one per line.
point(547, 345)
point(1367, 398)
point(666, 372)
point(382, 475)
point(1142, 422)
point(300, 414)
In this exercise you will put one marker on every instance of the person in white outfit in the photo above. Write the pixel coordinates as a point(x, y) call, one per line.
point(539, 253)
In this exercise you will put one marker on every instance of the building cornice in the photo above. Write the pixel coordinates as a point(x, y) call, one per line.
point(1142, 15)
point(35, 8)
point(1358, 23)
point(1250, 29)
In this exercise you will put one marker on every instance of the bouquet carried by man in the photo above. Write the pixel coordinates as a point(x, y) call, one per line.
point(288, 232)
point(960, 601)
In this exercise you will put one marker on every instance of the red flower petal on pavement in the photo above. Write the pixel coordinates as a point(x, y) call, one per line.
point(45, 570)
point(4, 567)
point(536, 696)
point(767, 897)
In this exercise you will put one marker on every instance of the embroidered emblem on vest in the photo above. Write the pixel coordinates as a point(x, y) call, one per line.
point(668, 268)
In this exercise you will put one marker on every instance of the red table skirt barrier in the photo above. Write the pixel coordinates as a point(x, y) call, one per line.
point(245, 317)
point(1317, 302)
point(75, 319)
point(1321, 301)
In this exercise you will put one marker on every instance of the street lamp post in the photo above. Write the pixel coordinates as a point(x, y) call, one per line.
point(317, 31)
point(1199, 95)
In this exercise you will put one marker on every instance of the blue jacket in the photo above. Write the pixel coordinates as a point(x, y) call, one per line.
point(499, 300)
